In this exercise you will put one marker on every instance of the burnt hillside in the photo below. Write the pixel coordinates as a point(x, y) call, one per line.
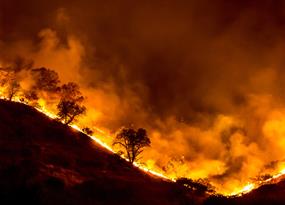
point(45, 162)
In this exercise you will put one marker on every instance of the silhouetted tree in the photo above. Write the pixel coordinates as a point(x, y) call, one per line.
point(45, 79)
point(12, 89)
point(70, 106)
point(9, 83)
point(69, 110)
point(71, 91)
point(31, 95)
point(10, 78)
point(133, 142)
point(87, 130)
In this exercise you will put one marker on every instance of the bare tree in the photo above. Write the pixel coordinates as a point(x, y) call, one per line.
point(133, 142)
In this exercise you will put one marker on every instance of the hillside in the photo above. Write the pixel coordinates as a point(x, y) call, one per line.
point(45, 162)
point(266, 194)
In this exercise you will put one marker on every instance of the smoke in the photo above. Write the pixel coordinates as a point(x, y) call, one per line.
point(205, 79)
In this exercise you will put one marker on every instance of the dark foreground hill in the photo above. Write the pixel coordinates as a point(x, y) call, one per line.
point(45, 162)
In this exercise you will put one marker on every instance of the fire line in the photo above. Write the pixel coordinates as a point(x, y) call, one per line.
point(246, 189)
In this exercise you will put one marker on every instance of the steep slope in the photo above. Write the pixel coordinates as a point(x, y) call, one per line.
point(45, 162)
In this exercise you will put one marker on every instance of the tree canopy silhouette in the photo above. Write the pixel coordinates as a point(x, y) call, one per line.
point(132, 141)
point(69, 106)
point(69, 110)
point(31, 96)
point(12, 89)
point(45, 79)
point(71, 91)
point(9, 82)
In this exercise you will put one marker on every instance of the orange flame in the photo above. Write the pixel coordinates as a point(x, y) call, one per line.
point(148, 168)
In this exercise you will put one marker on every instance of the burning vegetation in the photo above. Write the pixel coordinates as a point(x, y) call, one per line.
point(209, 89)
point(66, 103)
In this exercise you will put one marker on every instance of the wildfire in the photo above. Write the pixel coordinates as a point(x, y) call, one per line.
point(226, 130)
point(106, 146)
point(238, 192)
point(247, 188)
point(102, 134)
point(52, 115)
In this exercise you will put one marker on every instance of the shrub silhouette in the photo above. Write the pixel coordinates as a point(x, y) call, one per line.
point(200, 186)
point(88, 131)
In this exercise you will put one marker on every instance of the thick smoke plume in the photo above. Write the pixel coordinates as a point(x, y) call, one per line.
point(205, 79)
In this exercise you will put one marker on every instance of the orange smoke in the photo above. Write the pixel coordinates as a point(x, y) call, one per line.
point(229, 148)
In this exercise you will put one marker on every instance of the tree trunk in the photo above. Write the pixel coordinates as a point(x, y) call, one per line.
point(10, 97)
point(70, 120)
